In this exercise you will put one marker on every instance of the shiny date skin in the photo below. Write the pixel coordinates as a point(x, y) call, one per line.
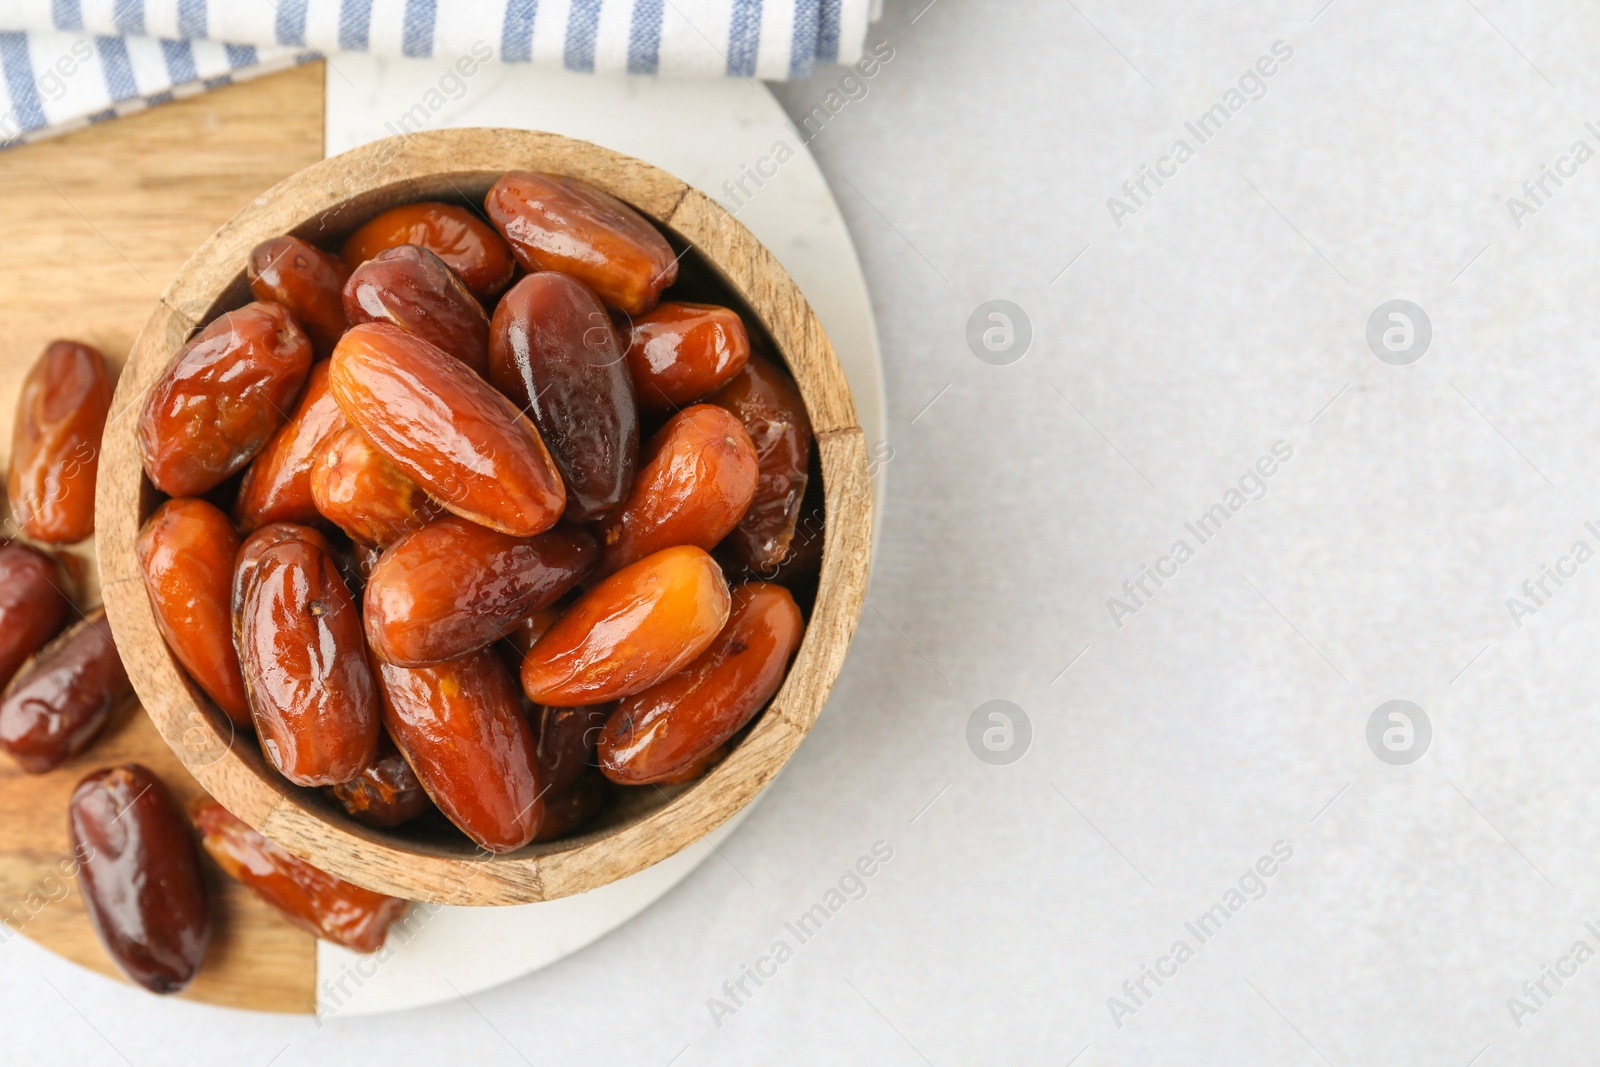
point(671, 727)
point(768, 404)
point(33, 604)
point(562, 224)
point(696, 769)
point(461, 727)
point(249, 554)
point(139, 872)
point(62, 699)
point(312, 693)
point(385, 795)
point(513, 647)
point(357, 489)
point(447, 429)
point(55, 443)
point(567, 741)
point(697, 482)
point(186, 554)
point(413, 289)
point(453, 587)
point(568, 810)
point(307, 281)
point(223, 398)
point(277, 486)
point(314, 900)
point(553, 351)
point(640, 625)
point(467, 244)
point(680, 353)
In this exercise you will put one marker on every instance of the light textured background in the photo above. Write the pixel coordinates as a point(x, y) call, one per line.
point(1230, 713)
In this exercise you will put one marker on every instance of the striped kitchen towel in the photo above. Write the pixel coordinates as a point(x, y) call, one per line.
point(72, 62)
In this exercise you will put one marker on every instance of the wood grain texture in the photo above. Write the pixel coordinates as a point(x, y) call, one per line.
point(97, 223)
point(325, 201)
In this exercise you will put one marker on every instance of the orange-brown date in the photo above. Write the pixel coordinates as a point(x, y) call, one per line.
point(554, 352)
point(186, 554)
point(410, 287)
point(55, 443)
point(244, 563)
point(277, 486)
point(384, 795)
point(307, 281)
point(568, 810)
point(669, 728)
point(562, 224)
point(695, 769)
point(767, 402)
point(696, 484)
point(225, 395)
point(680, 353)
point(64, 697)
point(453, 587)
point(461, 727)
point(314, 900)
point(447, 429)
point(640, 625)
point(312, 693)
point(357, 489)
point(567, 740)
point(139, 872)
point(467, 244)
point(33, 604)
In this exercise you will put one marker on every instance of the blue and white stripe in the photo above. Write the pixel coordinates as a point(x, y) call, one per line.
point(66, 63)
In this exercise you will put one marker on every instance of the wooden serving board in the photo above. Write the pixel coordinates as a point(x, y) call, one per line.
point(93, 225)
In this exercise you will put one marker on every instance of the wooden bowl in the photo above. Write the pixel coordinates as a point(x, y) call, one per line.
point(324, 202)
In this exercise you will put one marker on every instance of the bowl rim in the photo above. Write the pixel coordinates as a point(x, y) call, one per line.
point(329, 198)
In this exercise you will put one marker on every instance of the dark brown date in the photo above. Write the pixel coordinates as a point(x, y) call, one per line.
point(454, 587)
point(356, 488)
point(767, 402)
point(33, 604)
point(411, 288)
point(225, 395)
point(314, 900)
point(553, 351)
point(277, 486)
point(681, 353)
point(307, 281)
point(569, 810)
point(312, 693)
point(187, 551)
point(461, 727)
point(467, 244)
point(562, 224)
point(55, 443)
point(139, 872)
point(385, 795)
point(567, 740)
point(64, 697)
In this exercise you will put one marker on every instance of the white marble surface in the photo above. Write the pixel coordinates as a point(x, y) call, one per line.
point(1230, 712)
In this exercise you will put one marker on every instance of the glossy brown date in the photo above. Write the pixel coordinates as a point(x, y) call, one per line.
point(314, 900)
point(220, 401)
point(638, 626)
point(139, 872)
point(768, 404)
point(63, 698)
point(307, 281)
point(553, 351)
point(467, 244)
point(55, 443)
point(696, 484)
point(249, 554)
point(33, 604)
point(385, 795)
point(357, 489)
point(567, 740)
point(695, 769)
point(411, 288)
point(277, 486)
point(453, 587)
point(668, 728)
point(681, 353)
point(562, 224)
point(312, 693)
point(461, 727)
point(186, 554)
point(569, 810)
point(447, 429)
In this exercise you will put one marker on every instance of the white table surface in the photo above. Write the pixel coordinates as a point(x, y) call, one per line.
point(1230, 712)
